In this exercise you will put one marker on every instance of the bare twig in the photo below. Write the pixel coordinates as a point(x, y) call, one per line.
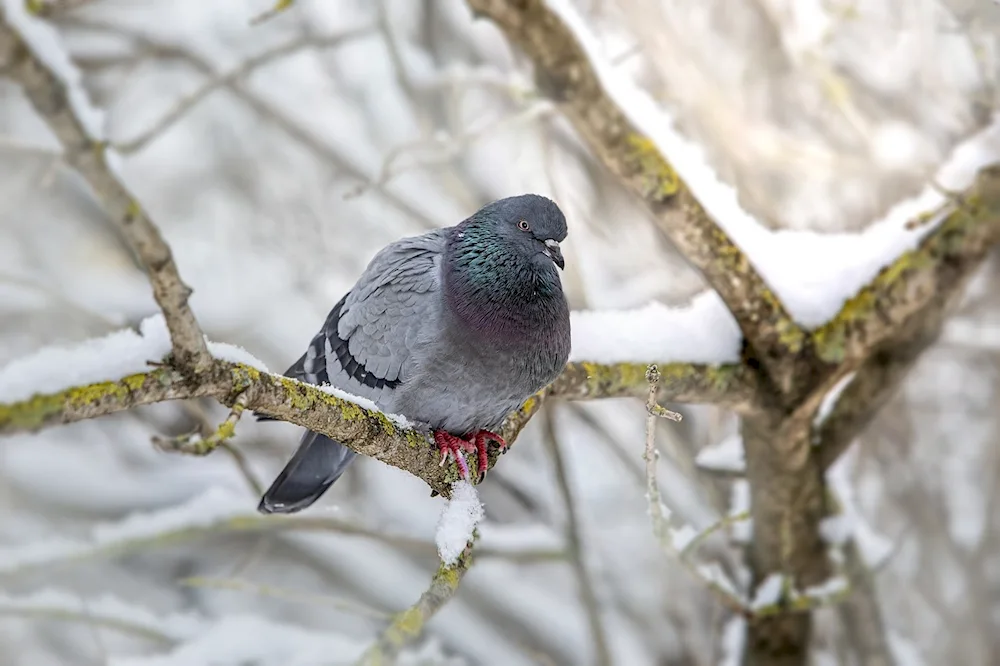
point(410, 624)
point(663, 413)
point(660, 514)
point(268, 111)
point(239, 584)
point(235, 75)
point(574, 541)
point(661, 528)
point(279, 7)
point(444, 149)
point(50, 97)
point(195, 444)
point(52, 8)
point(60, 612)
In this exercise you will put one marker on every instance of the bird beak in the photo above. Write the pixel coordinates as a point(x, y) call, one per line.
point(553, 252)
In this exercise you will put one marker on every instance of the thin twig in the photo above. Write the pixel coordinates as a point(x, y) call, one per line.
point(52, 8)
point(575, 546)
point(278, 8)
point(409, 625)
point(239, 584)
point(197, 445)
point(660, 515)
point(182, 107)
point(50, 97)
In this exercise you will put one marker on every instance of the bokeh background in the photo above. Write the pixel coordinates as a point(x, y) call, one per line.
point(277, 158)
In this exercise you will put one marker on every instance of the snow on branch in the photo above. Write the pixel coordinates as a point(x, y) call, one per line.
point(57, 104)
point(112, 374)
point(928, 275)
point(570, 70)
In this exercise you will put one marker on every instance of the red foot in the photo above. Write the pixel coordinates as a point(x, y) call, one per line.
point(452, 446)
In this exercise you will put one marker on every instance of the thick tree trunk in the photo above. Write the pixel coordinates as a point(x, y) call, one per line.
point(788, 501)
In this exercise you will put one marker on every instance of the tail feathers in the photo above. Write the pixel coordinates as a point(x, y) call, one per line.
point(318, 462)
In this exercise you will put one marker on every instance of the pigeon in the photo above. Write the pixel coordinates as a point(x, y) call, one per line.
point(454, 329)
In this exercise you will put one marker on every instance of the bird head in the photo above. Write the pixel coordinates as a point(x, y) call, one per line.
point(531, 224)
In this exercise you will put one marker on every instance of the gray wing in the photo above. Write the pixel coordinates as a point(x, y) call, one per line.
point(366, 344)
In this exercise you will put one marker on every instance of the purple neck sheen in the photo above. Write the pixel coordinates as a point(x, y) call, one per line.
point(498, 293)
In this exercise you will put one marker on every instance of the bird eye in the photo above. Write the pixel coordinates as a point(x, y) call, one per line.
point(523, 225)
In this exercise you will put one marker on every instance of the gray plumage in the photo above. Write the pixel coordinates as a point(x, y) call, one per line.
point(454, 328)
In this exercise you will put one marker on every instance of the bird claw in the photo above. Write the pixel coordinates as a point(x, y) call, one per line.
point(451, 446)
point(482, 439)
point(454, 447)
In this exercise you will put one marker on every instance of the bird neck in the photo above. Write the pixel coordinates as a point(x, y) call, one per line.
point(497, 292)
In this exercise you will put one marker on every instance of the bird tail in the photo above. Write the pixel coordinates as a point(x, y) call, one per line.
point(318, 462)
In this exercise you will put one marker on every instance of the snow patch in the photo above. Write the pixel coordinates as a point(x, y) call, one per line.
point(176, 627)
point(734, 638)
point(836, 530)
point(739, 503)
point(768, 593)
point(813, 274)
point(725, 456)
point(211, 507)
point(109, 358)
point(831, 398)
point(458, 521)
point(703, 331)
point(682, 537)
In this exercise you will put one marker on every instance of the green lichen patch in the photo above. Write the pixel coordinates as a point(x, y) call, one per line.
point(657, 179)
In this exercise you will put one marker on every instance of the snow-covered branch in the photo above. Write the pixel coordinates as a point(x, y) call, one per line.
point(567, 72)
point(59, 106)
point(322, 409)
point(928, 276)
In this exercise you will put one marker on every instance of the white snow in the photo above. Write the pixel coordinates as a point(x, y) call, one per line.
point(232, 353)
point(713, 572)
point(734, 638)
point(836, 530)
point(365, 403)
point(702, 332)
point(112, 357)
point(505, 538)
point(873, 547)
point(768, 593)
point(813, 274)
point(831, 398)
point(724, 456)
point(904, 650)
point(458, 521)
point(243, 639)
point(210, 508)
point(682, 537)
point(175, 626)
point(109, 358)
point(830, 587)
point(44, 40)
point(739, 502)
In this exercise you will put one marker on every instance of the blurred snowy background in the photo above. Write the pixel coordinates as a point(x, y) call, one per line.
point(277, 158)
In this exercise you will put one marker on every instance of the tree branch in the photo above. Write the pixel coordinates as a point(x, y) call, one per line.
point(574, 542)
point(409, 625)
point(564, 71)
point(370, 433)
point(926, 276)
point(50, 97)
point(897, 316)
